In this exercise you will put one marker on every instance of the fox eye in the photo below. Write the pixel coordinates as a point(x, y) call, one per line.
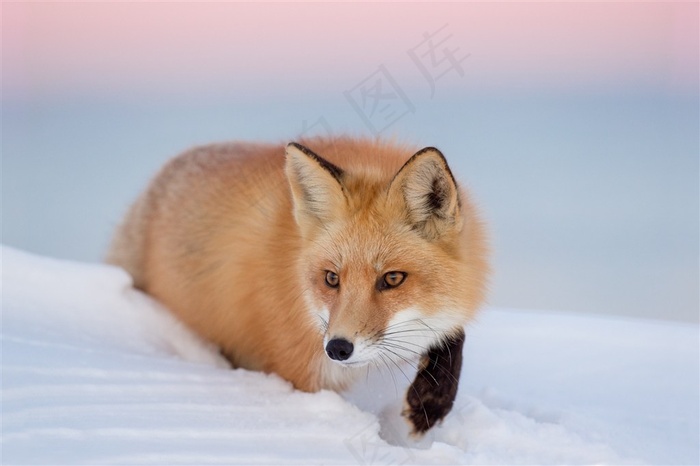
point(392, 280)
point(332, 279)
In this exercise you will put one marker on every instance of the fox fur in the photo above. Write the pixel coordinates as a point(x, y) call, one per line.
point(239, 240)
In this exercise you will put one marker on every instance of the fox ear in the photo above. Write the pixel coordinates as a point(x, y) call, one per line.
point(317, 188)
point(428, 191)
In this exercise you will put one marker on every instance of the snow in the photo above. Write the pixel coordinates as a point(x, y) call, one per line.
point(94, 372)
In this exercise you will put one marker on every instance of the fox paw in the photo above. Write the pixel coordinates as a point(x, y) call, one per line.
point(431, 395)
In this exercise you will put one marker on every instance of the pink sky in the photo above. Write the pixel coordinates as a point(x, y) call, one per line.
point(168, 47)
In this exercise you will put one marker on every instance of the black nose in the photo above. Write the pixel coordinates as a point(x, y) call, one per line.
point(339, 349)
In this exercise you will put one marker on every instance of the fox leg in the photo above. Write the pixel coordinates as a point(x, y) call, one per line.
point(431, 395)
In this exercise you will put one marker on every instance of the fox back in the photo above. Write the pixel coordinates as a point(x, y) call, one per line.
point(311, 260)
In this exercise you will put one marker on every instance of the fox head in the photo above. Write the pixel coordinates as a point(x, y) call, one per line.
point(392, 262)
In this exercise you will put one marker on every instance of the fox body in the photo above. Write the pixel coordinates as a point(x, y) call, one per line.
point(315, 259)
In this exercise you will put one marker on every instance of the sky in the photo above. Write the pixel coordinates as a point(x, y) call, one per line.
point(164, 47)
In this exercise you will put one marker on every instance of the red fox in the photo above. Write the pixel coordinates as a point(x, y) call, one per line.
point(316, 259)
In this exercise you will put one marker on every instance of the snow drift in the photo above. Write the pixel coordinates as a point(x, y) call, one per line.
point(94, 372)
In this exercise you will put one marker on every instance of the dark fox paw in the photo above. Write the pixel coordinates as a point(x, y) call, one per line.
point(431, 395)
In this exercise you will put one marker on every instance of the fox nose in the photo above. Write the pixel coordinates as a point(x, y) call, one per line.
point(339, 349)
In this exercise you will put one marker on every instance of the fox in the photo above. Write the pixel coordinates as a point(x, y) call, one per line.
point(316, 260)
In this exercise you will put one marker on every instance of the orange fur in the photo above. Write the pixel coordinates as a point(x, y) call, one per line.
point(221, 239)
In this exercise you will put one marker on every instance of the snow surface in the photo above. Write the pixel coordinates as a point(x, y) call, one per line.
point(94, 372)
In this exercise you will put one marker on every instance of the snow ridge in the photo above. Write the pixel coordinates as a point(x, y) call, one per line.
point(95, 372)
